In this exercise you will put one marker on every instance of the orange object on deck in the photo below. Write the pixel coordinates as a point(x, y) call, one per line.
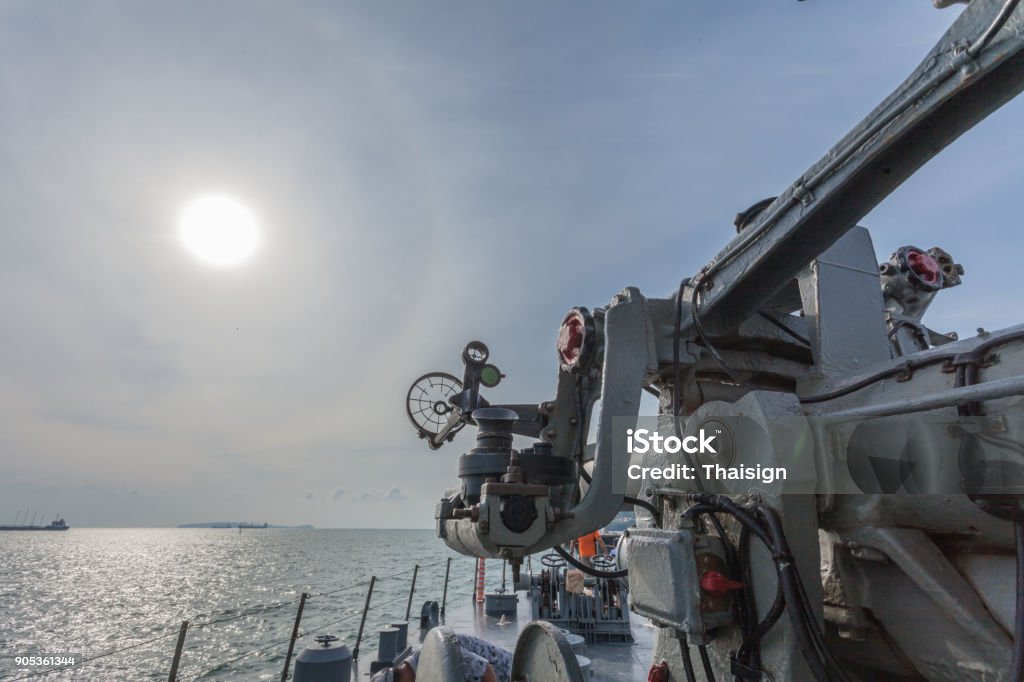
point(588, 544)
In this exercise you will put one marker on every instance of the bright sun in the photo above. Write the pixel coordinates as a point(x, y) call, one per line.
point(219, 230)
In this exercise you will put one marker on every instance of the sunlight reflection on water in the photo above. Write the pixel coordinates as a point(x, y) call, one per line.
point(89, 591)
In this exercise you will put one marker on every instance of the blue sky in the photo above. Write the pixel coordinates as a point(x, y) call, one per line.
point(423, 174)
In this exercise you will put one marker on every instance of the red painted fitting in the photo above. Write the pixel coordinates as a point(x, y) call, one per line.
point(924, 266)
point(714, 583)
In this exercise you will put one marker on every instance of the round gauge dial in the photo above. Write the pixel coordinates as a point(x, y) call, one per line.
point(427, 401)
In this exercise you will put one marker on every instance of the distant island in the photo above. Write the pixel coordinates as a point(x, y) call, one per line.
point(237, 524)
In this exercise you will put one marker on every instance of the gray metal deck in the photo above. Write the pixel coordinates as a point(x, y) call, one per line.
point(610, 661)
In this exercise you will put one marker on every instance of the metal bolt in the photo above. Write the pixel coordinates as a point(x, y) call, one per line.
point(484, 526)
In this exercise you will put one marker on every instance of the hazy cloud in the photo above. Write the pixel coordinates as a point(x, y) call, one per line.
point(392, 494)
point(338, 494)
point(544, 157)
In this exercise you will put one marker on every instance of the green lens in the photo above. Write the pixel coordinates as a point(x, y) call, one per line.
point(490, 376)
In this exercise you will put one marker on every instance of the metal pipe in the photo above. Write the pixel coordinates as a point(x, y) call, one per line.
point(173, 677)
point(988, 390)
point(444, 595)
point(295, 635)
point(362, 622)
point(412, 588)
point(1004, 13)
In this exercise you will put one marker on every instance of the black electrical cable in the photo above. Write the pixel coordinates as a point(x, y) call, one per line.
point(744, 606)
point(749, 652)
point(769, 530)
point(748, 655)
point(908, 367)
point(905, 368)
point(587, 569)
point(699, 328)
point(723, 503)
point(1017, 667)
point(646, 505)
point(579, 442)
point(684, 652)
point(786, 329)
point(630, 500)
point(705, 661)
point(1004, 13)
point(676, 406)
point(798, 623)
point(677, 381)
point(803, 604)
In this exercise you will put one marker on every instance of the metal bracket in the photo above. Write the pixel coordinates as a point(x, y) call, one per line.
point(970, 358)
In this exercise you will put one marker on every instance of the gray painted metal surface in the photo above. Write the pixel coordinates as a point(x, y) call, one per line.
point(324, 661)
point(905, 583)
point(544, 655)
point(440, 657)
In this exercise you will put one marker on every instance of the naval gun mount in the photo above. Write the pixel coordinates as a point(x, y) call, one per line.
point(840, 358)
point(508, 499)
point(889, 550)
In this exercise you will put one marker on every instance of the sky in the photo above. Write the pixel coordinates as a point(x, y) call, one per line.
point(422, 174)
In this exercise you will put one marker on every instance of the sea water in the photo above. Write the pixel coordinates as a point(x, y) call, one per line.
point(89, 592)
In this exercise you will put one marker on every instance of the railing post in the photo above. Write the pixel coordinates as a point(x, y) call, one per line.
point(366, 607)
point(173, 677)
point(444, 597)
point(481, 574)
point(412, 588)
point(295, 634)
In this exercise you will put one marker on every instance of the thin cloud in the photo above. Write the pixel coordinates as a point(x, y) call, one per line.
point(392, 494)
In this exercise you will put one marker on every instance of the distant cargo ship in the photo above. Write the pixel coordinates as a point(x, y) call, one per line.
point(56, 524)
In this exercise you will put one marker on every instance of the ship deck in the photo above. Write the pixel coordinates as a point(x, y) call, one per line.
point(609, 660)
